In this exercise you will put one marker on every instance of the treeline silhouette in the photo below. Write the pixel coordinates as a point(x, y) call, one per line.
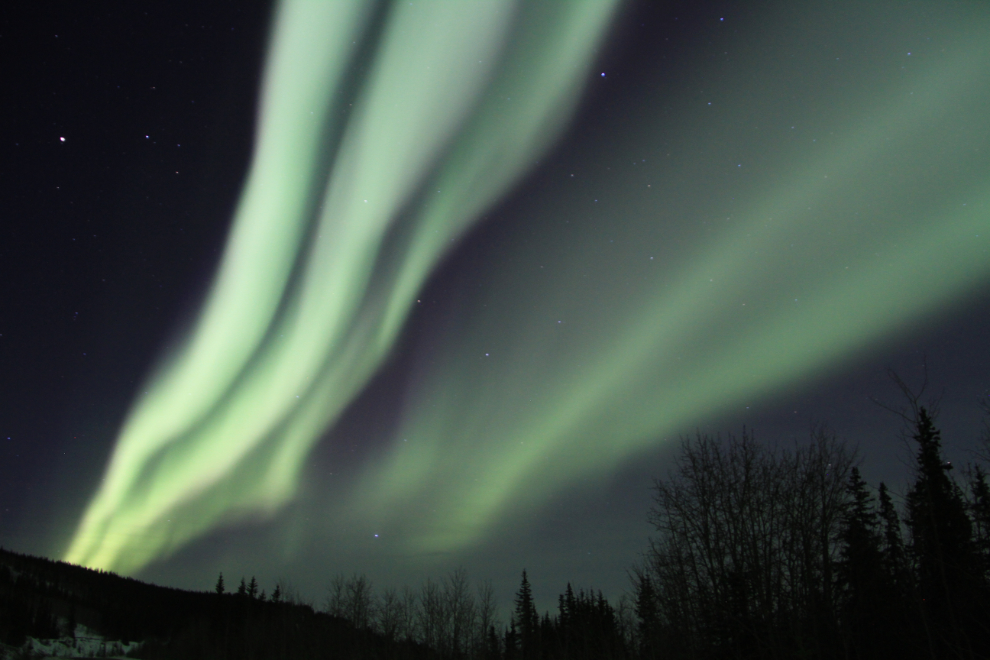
point(761, 551)
point(446, 618)
point(45, 599)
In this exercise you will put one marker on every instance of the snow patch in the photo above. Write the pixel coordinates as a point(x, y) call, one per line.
point(87, 644)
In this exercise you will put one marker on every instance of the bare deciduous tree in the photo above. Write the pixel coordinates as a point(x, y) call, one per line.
point(351, 599)
point(407, 617)
point(461, 613)
point(388, 614)
point(360, 602)
point(431, 618)
point(746, 544)
point(335, 604)
point(487, 617)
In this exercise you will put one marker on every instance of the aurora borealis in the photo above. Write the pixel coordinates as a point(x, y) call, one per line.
point(752, 214)
point(270, 363)
point(789, 283)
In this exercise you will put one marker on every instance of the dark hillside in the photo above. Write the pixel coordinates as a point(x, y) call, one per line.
point(43, 598)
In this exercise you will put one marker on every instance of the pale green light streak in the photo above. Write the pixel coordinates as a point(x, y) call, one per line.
point(486, 439)
point(221, 434)
point(461, 98)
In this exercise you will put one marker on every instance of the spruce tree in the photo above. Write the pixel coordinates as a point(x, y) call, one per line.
point(980, 513)
point(864, 591)
point(219, 588)
point(568, 620)
point(902, 625)
point(895, 563)
point(511, 641)
point(527, 620)
point(649, 619)
point(493, 650)
point(942, 547)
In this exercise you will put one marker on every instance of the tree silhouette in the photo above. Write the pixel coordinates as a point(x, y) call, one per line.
point(866, 587)
point(945, 556)
point(979, 507)
point(649, 628)
point(747, 537)
point(527, 621)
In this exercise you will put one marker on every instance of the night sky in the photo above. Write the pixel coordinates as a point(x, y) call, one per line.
point(750, 216)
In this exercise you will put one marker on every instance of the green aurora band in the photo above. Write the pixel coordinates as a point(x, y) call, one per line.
point(461, 99)
point(698, 283)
